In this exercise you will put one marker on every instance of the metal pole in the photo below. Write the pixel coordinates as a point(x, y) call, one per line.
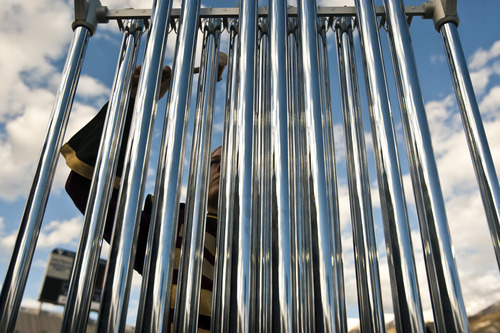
point(193, 240)
point(266, 234)
point(80, 292)
point(157, 285)
point(476, 137)
point(241, 311)
point(328, 134)
point(20, 262)
point(406, 298)
point(114, 303)
point(223, 257)
point(302, 210)
point(370, 305)
point(327, 289)
point(261, 195)
point(280, 200)
point(447, 300)
point(294, 188)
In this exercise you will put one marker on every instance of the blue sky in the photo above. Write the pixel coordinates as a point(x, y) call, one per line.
point(35, 39)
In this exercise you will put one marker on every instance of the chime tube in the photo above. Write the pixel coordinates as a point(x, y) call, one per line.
point(328, 134)
point(406, 298)
point(301, 227)
point(157, 286)
point(80, 292)
point(447, 300)
point(365, 246)
point(222, 272)
point(22, 255)
point(191, 260)
point(243, 169)
point(476, 137)
point(266, 236)
point(326, 284)
point(279, 140)
point(298, 303)
point(114, 302)
point(261, 194)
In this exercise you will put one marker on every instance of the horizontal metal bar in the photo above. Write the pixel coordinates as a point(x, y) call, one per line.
point(104, 14)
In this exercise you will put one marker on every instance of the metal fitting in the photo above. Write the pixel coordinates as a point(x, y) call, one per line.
point(86, 14)
point(441, 12)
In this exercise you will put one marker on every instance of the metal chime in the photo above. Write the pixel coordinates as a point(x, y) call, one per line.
point(278, 264)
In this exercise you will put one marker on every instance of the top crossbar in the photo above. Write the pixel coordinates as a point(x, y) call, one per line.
point(104, 14)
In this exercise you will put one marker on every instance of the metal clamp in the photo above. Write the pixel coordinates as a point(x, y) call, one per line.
point(86, 14)
point(441, 12)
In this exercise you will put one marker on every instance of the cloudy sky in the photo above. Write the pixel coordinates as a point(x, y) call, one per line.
point(35, 38)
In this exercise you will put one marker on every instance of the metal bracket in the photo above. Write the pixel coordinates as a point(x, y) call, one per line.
point(86, 14)
point(441, 12)
point(233, 12)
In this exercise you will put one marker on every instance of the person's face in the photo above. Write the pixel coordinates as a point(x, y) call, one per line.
point(213, 181)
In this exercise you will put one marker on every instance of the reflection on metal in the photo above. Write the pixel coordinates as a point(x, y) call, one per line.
point(279, 260)
point(365, 246)
point(223, 258)
point(191, 261)
point(86, 263)
point(31, 222)
point(449, 309)
point(474, 130)
point(405, 293)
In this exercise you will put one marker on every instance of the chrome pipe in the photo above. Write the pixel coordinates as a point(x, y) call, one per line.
point(476, 137)
point(261, 195)
point(280, 166)
point(327, 289)
point(301, 307)
point(301, 225)
point(76, 311)
point(116, 290)
point(404, 285)
point(328, 135)
point(223, 258)
point(370, 305)
point(266, 236)
point(188, 292)
point(242, 308)
point(446, 294)
point(22, 255)
point(156, 290)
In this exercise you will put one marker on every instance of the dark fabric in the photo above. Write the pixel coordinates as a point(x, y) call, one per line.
point(85, 145)
point(86, 141)
point(78, 188)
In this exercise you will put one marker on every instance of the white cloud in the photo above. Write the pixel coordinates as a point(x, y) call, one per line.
point(21, 144)
point(53, 234)
point(89, 87)
point(473, 249)
point(481, 57)
point(437, 59)
point(491, 102)
point(484, 65)
point(57, 233)
point(36, 38)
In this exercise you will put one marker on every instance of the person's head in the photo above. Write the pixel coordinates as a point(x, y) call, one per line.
point(213, 181)
point(166, 77)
